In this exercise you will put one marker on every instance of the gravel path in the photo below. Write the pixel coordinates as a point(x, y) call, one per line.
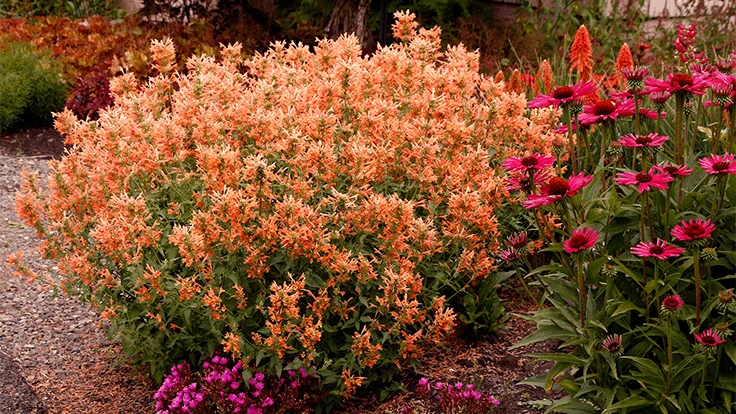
point(55, 343)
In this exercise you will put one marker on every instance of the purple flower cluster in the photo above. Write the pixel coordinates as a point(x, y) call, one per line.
point(179, 393)
point(459, 397)
point(221, 387)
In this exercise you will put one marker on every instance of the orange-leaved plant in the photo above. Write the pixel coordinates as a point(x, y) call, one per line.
point(320, 208)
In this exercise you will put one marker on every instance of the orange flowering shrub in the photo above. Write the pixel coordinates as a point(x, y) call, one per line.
point(318, 207)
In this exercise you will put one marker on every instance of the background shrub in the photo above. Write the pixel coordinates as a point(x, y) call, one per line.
point(31, 89)
point(323, 209)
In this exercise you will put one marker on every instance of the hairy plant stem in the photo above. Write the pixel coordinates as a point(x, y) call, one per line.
point(570, 142)
point(718, 369)
point(716, 144)
point(637, 123)
point(669, 354)
point(701, 388)
point(679, 108)
point(731, 128)
point(581, 289)
point(526, 287)
point(696, 268)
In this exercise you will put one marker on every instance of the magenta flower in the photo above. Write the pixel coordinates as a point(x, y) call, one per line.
point(509, 255)
point(674, 170)
point(524, 182)
point(672, 303)
point(612, 343)
point(532, 162)
point(581, 239)
point(679, 82)
point(709, 338)
point(693, 230)
point(606, 110)
point(644, 180)
point(556, 189)
point(563, 95)
point(640, 141)
point(518, 240)
point(660, 98)
point(659, 250)
point(718, 164)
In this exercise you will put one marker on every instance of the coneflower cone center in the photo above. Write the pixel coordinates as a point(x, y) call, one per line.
point(577, 241)
point(720, 165)
point(643, 140)
point(643, 177)
point(670, 169)
point(605, 107)
point(529, 161)
point(682, 79)
point(709, 340)
point(670, 303)
point(694, 230)
point(656, 249)
point(558, 187)
point(563, 92)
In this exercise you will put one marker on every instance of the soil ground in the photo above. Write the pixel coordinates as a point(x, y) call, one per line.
point(55, 358)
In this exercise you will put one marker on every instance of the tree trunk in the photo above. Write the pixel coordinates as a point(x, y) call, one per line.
point(350, 16)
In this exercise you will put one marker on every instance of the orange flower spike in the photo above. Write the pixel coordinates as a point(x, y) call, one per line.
point(499, 77)
point(624, 61)
point(515, 85)
point(544, 77)
point(581, 54)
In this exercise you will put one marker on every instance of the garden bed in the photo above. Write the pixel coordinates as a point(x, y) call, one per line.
point(59, 348)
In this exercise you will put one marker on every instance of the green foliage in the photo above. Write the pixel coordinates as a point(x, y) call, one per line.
point(31, 87)
point(74, 9)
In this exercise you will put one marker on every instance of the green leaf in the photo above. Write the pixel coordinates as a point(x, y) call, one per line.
point(625, 307)
point(634, 401)
point(568, 358)
point(568, 405)
point(544, 333)
point(730, 350)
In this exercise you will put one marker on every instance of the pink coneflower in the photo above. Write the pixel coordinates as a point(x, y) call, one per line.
point(659, 250)
point(660, 98)
point(709, 338)
point(563, 95)
point(509, 255)
point(612, 343)
point(693, 230)
point(645, 180)
point(532, 162)
point(556, 189)
point(672, 303)
point(676, 83)
point(635, 76)
point(606, 110)
point(640, 141)
point(674, 170)
point(524, 182)
point(518, 240)
point(581, 239)
point(718, 164)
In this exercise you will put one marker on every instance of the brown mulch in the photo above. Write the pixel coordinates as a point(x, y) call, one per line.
point(56, 359)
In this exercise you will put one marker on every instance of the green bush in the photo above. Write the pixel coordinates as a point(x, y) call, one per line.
point(31, 87)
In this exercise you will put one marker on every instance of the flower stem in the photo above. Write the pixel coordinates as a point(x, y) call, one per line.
point(696, 267)
point(637, 127)
point(526, 287)
point(679, 108)
point(581, 290)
